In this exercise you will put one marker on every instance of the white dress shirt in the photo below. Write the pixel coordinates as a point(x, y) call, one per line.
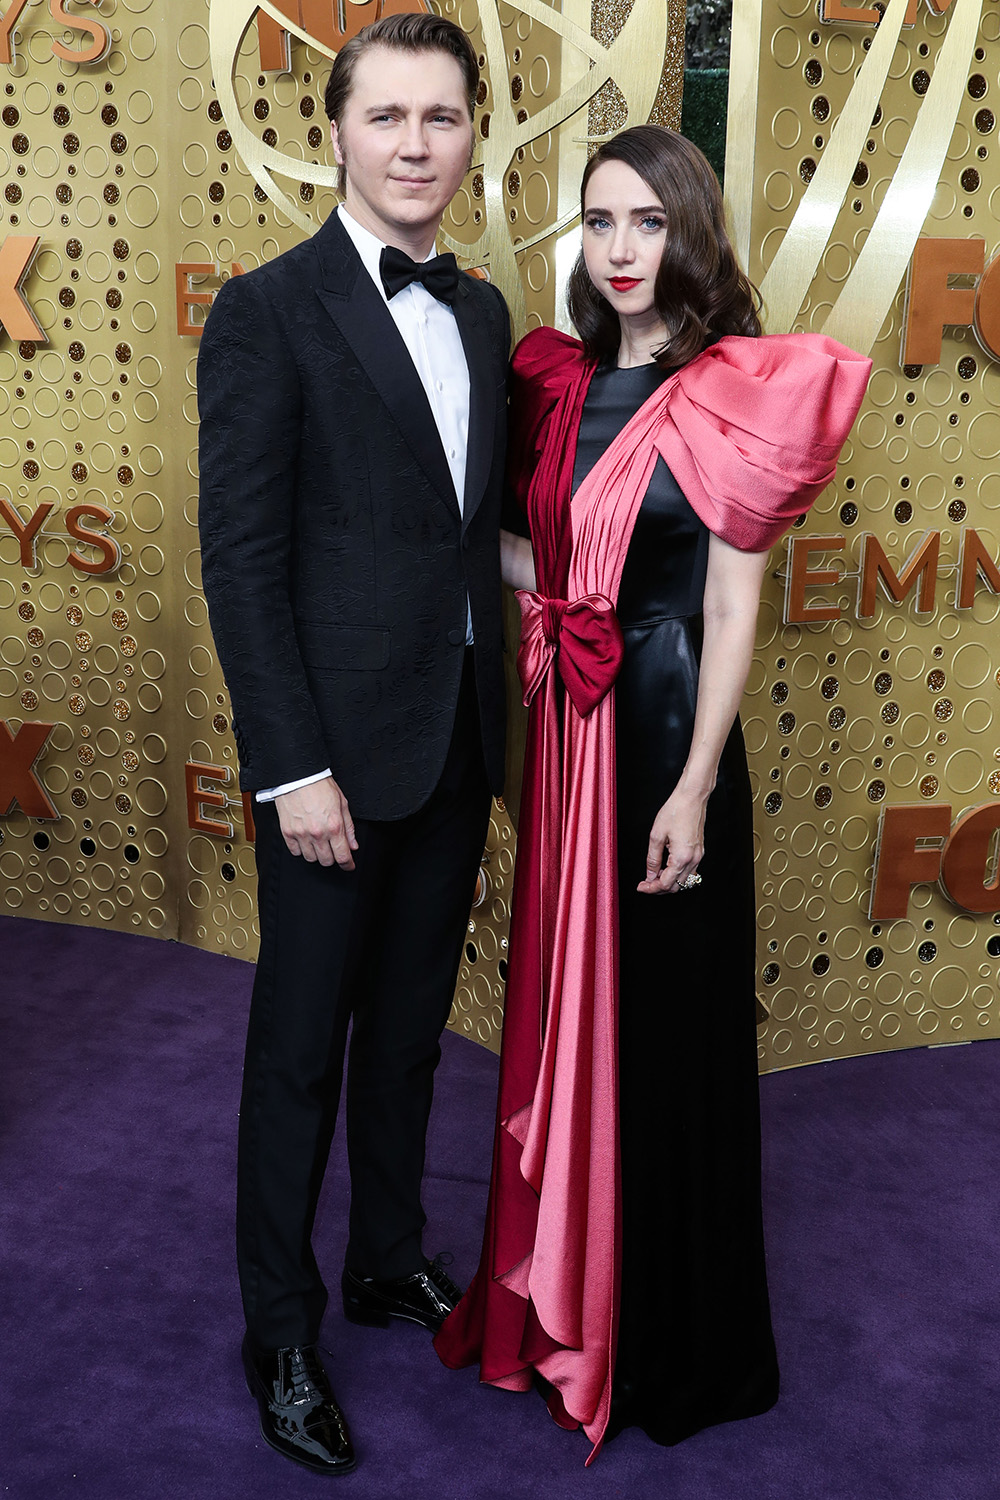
point(430, 333)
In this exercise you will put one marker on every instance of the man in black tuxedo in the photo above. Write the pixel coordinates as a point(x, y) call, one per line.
point(352, 397)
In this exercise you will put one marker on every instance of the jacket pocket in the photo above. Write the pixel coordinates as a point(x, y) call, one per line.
point(343, 648)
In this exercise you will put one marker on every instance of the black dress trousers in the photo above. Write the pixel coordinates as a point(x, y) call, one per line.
point(379, 945)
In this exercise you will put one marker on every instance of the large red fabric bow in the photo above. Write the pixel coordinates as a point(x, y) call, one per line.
point(582, 636)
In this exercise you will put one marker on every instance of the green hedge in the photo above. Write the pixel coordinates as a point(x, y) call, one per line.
point(703, 114)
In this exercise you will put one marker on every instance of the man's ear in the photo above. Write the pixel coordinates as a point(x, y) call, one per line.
point(338, 154)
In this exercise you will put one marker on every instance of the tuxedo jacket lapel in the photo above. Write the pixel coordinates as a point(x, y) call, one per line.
point(354, 304)
point(482, 397)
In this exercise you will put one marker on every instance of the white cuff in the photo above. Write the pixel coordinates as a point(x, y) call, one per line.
point(268, 794)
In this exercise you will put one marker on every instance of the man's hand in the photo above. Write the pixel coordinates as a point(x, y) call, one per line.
point(316, 823)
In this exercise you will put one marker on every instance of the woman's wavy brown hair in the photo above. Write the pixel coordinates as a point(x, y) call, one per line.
point(700, 291)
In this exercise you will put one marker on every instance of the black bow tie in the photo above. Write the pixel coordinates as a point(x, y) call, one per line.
point(439, 276)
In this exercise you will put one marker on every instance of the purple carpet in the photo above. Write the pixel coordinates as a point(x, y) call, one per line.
point(120, 1378)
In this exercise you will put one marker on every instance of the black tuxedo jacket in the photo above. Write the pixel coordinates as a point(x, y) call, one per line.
point(335, 559)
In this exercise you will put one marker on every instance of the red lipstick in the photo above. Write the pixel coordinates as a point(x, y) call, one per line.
point(624, 283)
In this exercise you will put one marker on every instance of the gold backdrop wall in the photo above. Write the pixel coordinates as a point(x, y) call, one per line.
point(188, 144)
point(148, 150)
point(851, 145)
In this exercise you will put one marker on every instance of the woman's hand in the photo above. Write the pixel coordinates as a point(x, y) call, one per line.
point(678, 833)
point(517, 561)
point(732, 593)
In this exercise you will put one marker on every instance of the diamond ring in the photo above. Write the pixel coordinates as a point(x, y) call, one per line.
point(690, 883)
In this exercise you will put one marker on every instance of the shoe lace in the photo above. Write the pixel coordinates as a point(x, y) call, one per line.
point(311, 1386)
point(306, 1375)
point(436, 1271)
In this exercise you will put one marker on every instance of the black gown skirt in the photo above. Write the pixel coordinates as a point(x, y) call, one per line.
point(695, 1345)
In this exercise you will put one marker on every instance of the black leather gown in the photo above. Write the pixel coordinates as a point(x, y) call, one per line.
point(695, 1345)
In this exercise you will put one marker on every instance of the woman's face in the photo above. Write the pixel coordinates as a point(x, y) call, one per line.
point(624, 229)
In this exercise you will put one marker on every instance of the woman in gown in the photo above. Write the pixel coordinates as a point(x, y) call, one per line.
point(658, 460)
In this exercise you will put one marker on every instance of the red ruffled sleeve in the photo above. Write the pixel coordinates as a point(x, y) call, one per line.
point(545, 366)
point(550, 375)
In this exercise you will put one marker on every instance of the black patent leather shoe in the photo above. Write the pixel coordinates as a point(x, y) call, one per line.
point(426, 1297)
point(299, 1415)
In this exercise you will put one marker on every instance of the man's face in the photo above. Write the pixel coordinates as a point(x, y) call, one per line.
point(405, 139)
